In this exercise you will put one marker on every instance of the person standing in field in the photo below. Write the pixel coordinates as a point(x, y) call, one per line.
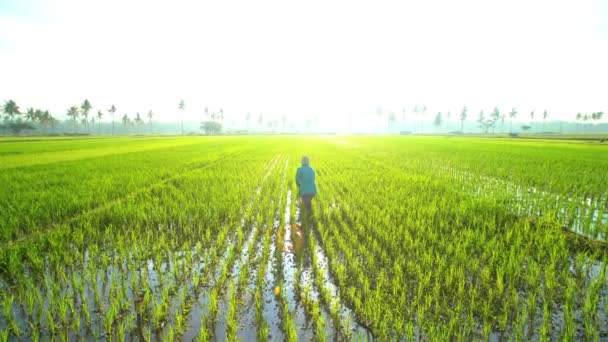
point(305, 180)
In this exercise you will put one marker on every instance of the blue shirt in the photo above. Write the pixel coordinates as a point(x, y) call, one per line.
point(305, 180)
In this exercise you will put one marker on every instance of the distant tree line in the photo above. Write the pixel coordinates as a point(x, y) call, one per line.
point(82, 119)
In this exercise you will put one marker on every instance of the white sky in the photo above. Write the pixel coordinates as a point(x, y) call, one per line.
point(306, 58)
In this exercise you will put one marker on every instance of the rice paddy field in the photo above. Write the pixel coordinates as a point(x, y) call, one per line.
point(203, 238)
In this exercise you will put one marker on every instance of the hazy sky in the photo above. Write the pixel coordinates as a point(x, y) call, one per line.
point(306, 58)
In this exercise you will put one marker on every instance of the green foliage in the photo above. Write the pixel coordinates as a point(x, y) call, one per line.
point(211, 127)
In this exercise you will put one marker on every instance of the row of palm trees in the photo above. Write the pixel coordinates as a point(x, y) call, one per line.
point(82, 112)
point(485, 122)
point(17, 121)
point(78, 115)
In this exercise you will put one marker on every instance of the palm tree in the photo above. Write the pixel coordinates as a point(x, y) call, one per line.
point(545, 115)
point(51, 120)
point(495, 116)
point(85, 108)
point(248, 118)
point(181, 106)
point(448, 116)
point(438, 120)
point(150, 115)
point(11, 109)
point(481, 119)
point(38, 114)
point(45, 119)
point(261, 120)
point(99, 117)
point(112, 110)
point(30, 114)
point(585, 118)
point(423, 113)
point(512, 115)
point(220, 117)
point(73, 114)
point(463, 116)
point(597, 116)
point(138, 121)
point(125, 120)
point(531, 117)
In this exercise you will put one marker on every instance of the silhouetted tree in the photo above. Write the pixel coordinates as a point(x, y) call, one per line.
point(211, 127)
point(531, 118)
point(125, 120)
point(481, 120)
point(112, 110)
point(150, 115)
point(138, 122)
point(11, 110)
point(85, 108)
point(463, 116)
point(182, 106)
point(99, 117)
point(438, 120)
point(73, 114)
point(30, 114)
point(512, 115)
point(597, 116)
point(494, 117)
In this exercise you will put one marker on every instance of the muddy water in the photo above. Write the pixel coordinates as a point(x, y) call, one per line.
point(303, 326)
point(271, 311)
point(271, 308)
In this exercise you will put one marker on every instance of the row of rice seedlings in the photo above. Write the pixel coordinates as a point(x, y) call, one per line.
point(585, 216)
point(287, 322)
point(85, 184)
point(210, 319)
point(314, 307)
point(260, 283)
point(262, 263)
point(554, 191)
point(497, 296)
point(330, 299)
point(288, 325)
point(266, 212)
point(117, 209)
point(110, 315)
point(215, 257)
